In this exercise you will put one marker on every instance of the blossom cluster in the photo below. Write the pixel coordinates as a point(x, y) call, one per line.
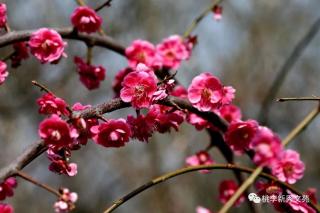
point(146, 83)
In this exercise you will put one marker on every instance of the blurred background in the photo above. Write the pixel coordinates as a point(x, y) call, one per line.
point(246, 49)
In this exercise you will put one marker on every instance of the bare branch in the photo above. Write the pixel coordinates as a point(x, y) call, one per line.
point(179, 172)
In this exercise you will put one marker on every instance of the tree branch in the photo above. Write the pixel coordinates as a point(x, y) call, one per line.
point(178, 172)
point(67, 33)
point(285, 69)
point(34, 150)
point(199, 18)
point(296, 131)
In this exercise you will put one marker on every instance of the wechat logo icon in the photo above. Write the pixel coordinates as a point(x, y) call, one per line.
point(254, 198)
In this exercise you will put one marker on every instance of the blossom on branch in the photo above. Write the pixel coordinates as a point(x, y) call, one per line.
point(6, 208)
point(230, 112)
point(139, 87)
point(226, 189)
point(206, 93)
point(90, 75)
point(66, 201)
point(289, 168)
point(200, 158)
point(172, 51)
point(47, 45)
point(113, 133)
point(142, 126)
point(3, 15)
point(201, 209)
point(3, 72)
point(6, 187)
point(50, 104)
point(266, 146)
point(56, 132)
point(21, 52)
point(240, 134)
point(141, 51)
point(85, 19)
point(117, 83)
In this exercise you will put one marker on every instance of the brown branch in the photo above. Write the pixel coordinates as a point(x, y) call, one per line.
point(313, 98)
point(296, 131)
point(37, 183)
point(199, 18)
point(178, 172)
point(285, 69)
point(34, 150)
point(67, 33)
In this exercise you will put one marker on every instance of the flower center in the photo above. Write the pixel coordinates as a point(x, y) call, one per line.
point(55, 135)
point(206, 94)
point(288, 169)
point(139, 91)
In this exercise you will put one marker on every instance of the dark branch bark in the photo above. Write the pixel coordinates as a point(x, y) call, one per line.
point(34, 150)
point(67, 33)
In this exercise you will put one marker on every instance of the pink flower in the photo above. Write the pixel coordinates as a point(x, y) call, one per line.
point(3, 15)
point(297, 205)
point(114, 133)
point(267, 147)
point(20, 53)
point(142, 127)
point(139, 87)
point(117, 83)
point(56, 132)
point(206, 92)
point(50, 104)
point(311, 193)
point(228, 95)
point(201, 209)
point(172, 51)
point(6, 208)
point(217, 12)
point(165, 118)
point(3, 72)
point(47, 45)
point(66, 201)
point(231, 113)
point(6, 187)
point(86, 19)
point(179, 91)
point(226, 189)
point(190, 42)
point(60, 162)
point(83, 125)
point(200, 158)
point(240, 134)
point(90, 75)
point(289, 168)
point(197, 121)
point(141, 51)
point(273, 191)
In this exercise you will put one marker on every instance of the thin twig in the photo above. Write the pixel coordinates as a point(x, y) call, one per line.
point(8, 56)
point(44, 88)
point(89, 54)
point(37, 183)
point(297, 130)
point(106, 4)
point(285, 69)
point(299, 99)
point(178, 172)
point(199, 18)
point(41, 86)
